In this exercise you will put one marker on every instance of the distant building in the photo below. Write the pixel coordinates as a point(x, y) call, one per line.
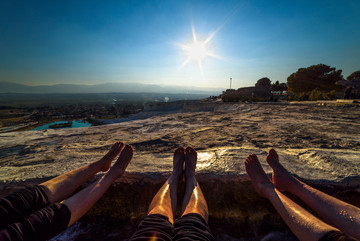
point(262, 91)
point(355, 88)
point(259, 91)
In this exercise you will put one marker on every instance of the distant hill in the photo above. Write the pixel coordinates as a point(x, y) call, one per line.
point(64, 99)
point(8, 87)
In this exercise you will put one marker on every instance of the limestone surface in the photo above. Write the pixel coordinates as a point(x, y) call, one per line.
point(315, 142)
point(319, 144)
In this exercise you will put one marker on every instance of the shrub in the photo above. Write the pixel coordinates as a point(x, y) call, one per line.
point(329, 95)
point(302, 96)
point(291, 97)
point(315, 95)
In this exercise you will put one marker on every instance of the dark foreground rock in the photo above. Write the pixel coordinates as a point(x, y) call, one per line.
point(236, 211)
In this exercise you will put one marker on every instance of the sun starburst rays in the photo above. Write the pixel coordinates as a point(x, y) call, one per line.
point(198, 50)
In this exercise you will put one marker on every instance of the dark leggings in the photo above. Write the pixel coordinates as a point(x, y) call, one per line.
point(189, 227)
point(193, 227)
point(336, 236)
point(28, 215)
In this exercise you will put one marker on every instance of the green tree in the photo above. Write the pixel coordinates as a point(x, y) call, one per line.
point(354, 76)
point(321, 77)
point(278, 86)
point(263, 81)
point(283, 87)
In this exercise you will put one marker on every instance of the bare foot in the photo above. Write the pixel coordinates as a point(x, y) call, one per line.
point(281, 178)
point(178, 163)
point(257, 175)
point(122, 162)
point(190, 166)
point(191, 183)
point(107, 159)
point(190, 162)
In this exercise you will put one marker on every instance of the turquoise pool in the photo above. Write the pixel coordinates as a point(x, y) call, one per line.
point(75, 124)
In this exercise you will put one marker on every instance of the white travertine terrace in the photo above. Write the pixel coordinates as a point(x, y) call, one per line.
point(315, 142)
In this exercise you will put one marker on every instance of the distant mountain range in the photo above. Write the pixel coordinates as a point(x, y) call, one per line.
point(8, 87)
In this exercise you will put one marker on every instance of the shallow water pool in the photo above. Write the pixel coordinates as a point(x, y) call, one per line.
point(75, 124)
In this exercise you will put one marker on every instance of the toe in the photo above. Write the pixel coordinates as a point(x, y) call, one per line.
point(179, 150)
point(129, 148)
point(191, 150)
point(272, 152)
point(253, 157)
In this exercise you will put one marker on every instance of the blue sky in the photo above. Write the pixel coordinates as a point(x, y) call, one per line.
point(91, 42)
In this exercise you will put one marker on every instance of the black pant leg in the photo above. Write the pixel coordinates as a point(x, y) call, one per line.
point(20, 204)
point(154, 227)
point(336, 236)
point(192, 227)
point(40, 225)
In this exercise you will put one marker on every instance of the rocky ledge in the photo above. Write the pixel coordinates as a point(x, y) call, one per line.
point(320, 144)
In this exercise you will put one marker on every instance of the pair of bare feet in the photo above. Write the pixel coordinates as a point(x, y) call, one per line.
point(281, 178)
point(335, 214)
point(182, 156)
point(118, 169)
point(165, 200)
point(184, 164)
point(62, 188)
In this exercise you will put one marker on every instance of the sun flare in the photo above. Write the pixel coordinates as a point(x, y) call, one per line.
point(197, 50)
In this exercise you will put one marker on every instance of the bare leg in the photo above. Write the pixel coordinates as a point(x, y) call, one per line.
point(64, 185)
point(303, 224)
point(194, 200)
point(164, 202)
point(337, 213)
point(82, 201)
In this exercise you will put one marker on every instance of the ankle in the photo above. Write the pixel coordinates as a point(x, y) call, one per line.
point(189, 174)
point(115, 173)
point(191, 182)
point(176, 174)
point(96, 166)
point(267, 190)
point(173, 179)
point(297, 186)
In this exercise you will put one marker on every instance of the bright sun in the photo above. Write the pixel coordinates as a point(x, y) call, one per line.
point(198, 50)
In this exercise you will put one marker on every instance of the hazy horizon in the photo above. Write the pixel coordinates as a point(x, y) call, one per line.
point(176, 43)
point(124, 87)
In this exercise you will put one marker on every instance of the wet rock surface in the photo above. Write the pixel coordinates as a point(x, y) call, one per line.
point(320, 144)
